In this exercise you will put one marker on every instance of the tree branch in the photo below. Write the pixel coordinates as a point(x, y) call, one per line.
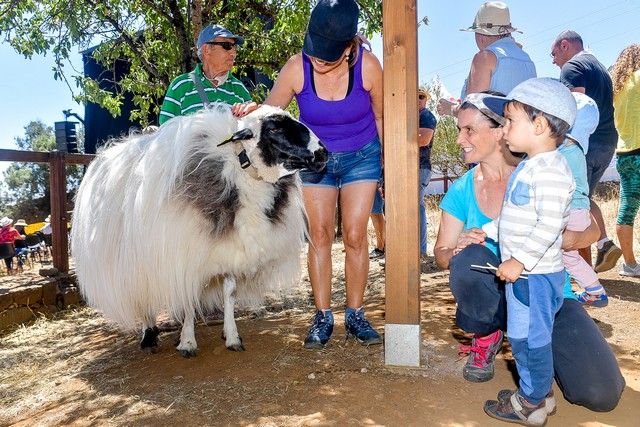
point(148, 66)
point(177, 21)
point(161, 11)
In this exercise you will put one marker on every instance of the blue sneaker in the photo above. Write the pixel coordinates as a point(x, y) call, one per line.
point(356, 325)
point(320, 331)
point(594, 300)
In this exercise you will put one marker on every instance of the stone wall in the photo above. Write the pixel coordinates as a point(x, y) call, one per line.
point(23, 300)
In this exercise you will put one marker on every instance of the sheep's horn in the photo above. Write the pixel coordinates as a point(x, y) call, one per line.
point(239, 135)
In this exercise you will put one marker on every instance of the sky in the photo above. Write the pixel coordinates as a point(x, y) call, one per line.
point(31, 93)
point(606, 26)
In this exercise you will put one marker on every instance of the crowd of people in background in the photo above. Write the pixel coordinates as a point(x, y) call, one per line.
point(8, 236)
point(16, 242)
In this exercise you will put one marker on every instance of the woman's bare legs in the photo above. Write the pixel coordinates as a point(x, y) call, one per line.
point(320, 203)
point(356, 201)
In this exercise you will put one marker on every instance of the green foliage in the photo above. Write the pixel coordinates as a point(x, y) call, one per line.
point(446, 156)
point(157, 39)
point(25, 193)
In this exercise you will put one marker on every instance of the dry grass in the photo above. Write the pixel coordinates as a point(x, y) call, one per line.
point(41, 360)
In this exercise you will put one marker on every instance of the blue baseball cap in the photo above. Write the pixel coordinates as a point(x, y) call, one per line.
point(587, 118)
point(545, 94)
point(332, 25)
point(211, 31)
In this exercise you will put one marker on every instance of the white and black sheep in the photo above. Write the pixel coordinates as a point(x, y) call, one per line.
point(199, 215)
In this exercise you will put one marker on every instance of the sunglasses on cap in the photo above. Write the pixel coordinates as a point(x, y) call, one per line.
point(225, 45)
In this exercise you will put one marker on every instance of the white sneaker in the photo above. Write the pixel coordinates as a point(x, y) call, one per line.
point(630, 271)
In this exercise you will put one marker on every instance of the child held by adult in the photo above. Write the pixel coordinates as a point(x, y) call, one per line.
point(574, 149)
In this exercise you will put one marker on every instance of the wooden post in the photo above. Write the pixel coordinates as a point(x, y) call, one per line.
point(446, 180)
point(402, 328)
point(58, 183)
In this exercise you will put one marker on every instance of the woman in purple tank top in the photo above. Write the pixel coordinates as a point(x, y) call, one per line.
point(338, 86)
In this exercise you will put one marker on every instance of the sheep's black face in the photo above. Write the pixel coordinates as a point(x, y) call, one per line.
point(284, 140)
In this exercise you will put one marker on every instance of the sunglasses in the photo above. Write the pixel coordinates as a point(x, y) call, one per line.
point(325, 63)
point(421, 97)
point(225, 45)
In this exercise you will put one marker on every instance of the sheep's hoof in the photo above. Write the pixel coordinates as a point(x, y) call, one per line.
point(149, 342)
point(150, 350)
point(187, 353)
point(236, 347)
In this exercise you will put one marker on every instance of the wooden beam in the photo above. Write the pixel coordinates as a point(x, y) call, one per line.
point(24, 156)
point(78, 159)
point(402, 252)
point(43, 157)
point(58, 183)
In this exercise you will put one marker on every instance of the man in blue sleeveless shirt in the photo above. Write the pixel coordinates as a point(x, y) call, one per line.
point(501, 64)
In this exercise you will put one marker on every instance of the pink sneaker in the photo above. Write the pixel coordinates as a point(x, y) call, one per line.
point(482, 354)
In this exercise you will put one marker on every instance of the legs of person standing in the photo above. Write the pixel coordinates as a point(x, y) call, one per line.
point(355, 175)
point(9, 263)
point(628, 167)
point(586, 370)
point(356, 205)
point(425, 177)
point(360, 173)
point(598, 160)
point(532, 304)
point(377, 219)
point(320, 203)
point(594, 293)
point(481, 309)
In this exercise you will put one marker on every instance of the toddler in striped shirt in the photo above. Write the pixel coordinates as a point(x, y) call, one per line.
point(538, 114)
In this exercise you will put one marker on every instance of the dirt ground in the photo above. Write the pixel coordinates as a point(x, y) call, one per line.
point(77, 369)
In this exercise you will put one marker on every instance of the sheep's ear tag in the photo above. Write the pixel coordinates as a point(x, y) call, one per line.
point(240, 135)
point(244, 159)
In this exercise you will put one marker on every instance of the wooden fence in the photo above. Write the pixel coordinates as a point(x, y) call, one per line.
point(446, 180)
point(57, 161)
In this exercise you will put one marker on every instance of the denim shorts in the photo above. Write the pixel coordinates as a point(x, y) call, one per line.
point(348, 167)
point(378, 204)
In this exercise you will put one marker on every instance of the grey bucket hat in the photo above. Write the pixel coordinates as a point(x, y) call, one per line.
point(545, 94)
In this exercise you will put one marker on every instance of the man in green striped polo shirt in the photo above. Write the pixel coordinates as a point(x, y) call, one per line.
point(211, 81)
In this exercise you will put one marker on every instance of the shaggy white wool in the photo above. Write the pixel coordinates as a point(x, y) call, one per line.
point(141, 248)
